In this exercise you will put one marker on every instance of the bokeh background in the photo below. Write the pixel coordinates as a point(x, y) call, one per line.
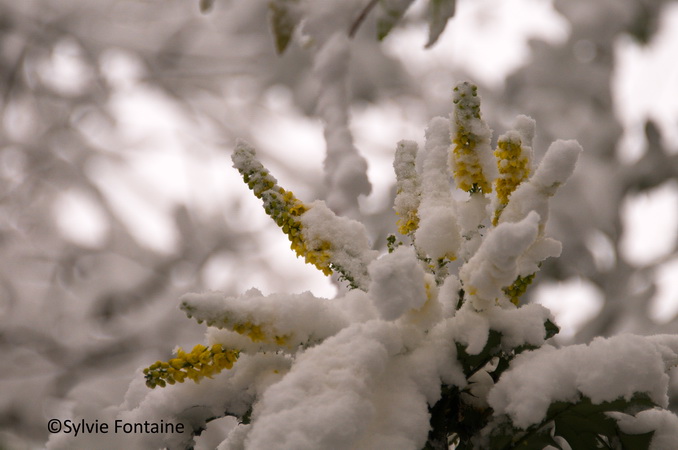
point(117, 195)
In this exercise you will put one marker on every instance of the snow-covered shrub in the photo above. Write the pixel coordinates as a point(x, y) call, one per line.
point(431, 347)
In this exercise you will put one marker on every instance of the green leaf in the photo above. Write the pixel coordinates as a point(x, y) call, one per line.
point(391, 243)
point(284, 19)
point(504, 363)
point(584, 424)
point(551, 329)
point(635, 441)
point(503, 434)
point(452, 419)
point(472, 363)
point(505, 357)
point(504, 437)
point(439, 12)
point(541, 440)
point(389, 13)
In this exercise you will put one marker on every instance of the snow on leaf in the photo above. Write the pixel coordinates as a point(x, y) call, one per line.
point(603, 371)
point(326, 399)
point(397, 283)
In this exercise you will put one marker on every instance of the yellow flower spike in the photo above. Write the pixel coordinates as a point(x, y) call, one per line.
point(471, 156)
point(281, 205)
point(513, 164)
point(201, 362)
point(251, 330)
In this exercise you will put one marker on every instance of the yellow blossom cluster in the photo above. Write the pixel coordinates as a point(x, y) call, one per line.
point(518, 288)
point(409, 223)
point(514, 168)
point(282, 206)
point(256, 333)
point(201, 362)
point(468, 135)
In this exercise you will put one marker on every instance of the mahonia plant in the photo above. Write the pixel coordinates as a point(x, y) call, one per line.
point(431, 347)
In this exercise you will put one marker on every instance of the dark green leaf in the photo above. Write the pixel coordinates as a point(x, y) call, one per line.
point(635, 441)
point(504, 436)
point(389, 13)
point(582, 423)
point(439, 12)
point(504, 363)
point(284, 19)
point(539, 441)
point(551, 329)
point(473, 363)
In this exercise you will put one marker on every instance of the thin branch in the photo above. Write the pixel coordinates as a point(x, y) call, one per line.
point(361, 18)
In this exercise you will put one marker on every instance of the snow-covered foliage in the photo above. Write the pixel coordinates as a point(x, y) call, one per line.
point(431, 347)
point(118, 198)
point(324, 27)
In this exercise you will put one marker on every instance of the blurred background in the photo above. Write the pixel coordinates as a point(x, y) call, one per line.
point(117, 195)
